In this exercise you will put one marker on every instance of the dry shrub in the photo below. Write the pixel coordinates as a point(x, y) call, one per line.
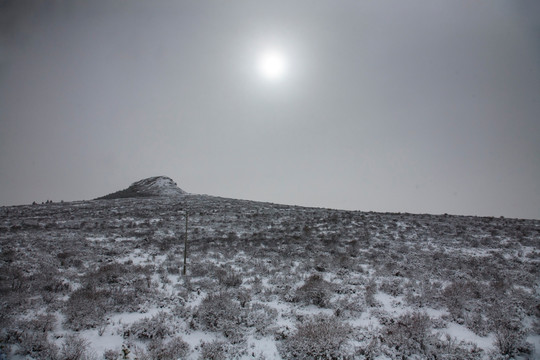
point(510, 339)
point(321, 337)
point(369, 295)
point(409, 334)
point(353, 305)
point(39, 323)
point(36, 345)
point(448, 348)
point(150, 328)
point(111, 354)
point(218, 312)
point(260, 317)
point(216, 350)
point(176, 348)
point(85, 308)
point(315, 291)
point(392, 287)
point(74, 348)
point(228, 277)
point(118, 274)
point(231, 280)
point(476, 322)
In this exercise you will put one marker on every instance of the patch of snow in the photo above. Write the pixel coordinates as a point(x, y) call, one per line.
point(460, 332)
point(96, 238)
point(196, 338)
point(434, 313)
point(121, 239)
point(264, 347)
point(392, 304)
point(365, 320)
point(110, 340)
point(131, 317)
point(535, 341)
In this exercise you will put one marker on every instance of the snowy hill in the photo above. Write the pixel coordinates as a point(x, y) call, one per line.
point(153, 186)
point(103, 279)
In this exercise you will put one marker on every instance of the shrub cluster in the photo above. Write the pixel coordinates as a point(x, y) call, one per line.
point(219, 312)
point(151, 328)
point(37, 346)
point(260, 317)
point(215, 350)
point(315, 291)
point(510, 339)
point(85, 308)
point(320, 337)
point(176, 348)
point(409, 334)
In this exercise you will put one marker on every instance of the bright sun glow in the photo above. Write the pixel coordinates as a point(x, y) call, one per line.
point(272, 64)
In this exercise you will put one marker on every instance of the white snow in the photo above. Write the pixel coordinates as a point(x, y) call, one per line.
point(461, 333)
point(265, 347)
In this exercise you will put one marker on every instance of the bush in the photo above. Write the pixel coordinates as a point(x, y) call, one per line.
point(149, 328)
point(85, 308)
point(111, 354)
point(352, 305)
point(218, 312)
point(448, 348)
point(510, 339)
point(424, 293)
point(229, 278)
point(392, 287)
point(216, 350)
point(477, 323)
point(371, 290)
point(321, 337)
point(174, 349)
point(39, 323)
point(234, 334)
point(243, 297)
point(36, 345)
point(409, 334)
point(113, 287)
point(74, 348)
point(260, 317)
point(315, 291)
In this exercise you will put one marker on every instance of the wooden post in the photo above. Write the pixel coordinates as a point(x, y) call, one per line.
point(185, 245)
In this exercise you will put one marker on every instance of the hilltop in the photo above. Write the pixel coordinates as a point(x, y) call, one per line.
point(150, 187)
point(264, 281)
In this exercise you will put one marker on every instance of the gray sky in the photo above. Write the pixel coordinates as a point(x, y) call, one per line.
point(414, 106)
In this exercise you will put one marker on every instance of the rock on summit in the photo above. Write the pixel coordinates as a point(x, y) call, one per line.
point(150, 187)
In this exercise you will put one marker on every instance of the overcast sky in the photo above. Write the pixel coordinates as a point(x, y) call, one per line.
point(413, 106)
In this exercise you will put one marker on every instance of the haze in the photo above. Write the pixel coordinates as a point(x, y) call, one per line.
point(411, 106)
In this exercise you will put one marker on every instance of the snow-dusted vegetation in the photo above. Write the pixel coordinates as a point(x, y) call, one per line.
point(103, 279)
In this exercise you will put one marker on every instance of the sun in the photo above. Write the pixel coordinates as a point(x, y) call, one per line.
point(272, 64)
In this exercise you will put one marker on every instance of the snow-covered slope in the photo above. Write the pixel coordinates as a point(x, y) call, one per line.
point(263, 281)
point(153, 186)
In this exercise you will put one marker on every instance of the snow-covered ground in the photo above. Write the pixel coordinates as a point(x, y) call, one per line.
point(103, 279)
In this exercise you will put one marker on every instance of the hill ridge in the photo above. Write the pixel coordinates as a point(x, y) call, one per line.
point(148, 187)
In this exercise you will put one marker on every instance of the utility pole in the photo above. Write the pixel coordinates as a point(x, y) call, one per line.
point(185, 244)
